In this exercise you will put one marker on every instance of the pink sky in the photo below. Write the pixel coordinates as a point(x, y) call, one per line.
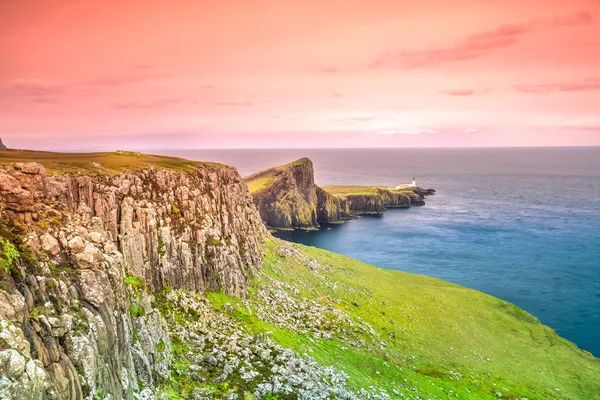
point(150, 74)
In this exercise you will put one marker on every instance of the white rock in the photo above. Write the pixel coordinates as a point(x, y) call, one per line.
point(76, 244)
point(96, 237)
point(49, 244)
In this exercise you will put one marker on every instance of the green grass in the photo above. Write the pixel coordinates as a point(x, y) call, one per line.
point(340, 190)
point(135, 282)
point(8, 255)
point(99, 163)
point(254, 185)
point(446, 337)
point(345, 190)
point(136, 311)
point(263, 179)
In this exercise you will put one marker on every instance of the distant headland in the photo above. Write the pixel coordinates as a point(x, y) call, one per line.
point(2, 146)
point(288, 198)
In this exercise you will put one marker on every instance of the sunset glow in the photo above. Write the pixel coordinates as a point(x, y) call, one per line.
point(310, 73)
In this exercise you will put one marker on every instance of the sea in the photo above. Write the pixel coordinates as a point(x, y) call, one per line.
point(522, 224)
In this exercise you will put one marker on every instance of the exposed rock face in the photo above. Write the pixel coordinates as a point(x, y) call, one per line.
point(380, 201)
point(73, 322)
point(331, 209)
point(287, 198)
point(291, 200)
point(2, 146)
point(191, 231)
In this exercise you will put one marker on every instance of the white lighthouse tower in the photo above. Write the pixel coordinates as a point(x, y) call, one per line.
point(414, 182)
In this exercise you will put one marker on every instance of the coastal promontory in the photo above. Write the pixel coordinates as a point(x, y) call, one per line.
point(288, 198)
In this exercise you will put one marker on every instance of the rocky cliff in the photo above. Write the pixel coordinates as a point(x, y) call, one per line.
point(83, 257)
point(331, 209)
point(2, 146)
point(376, 200)
point(287, 197)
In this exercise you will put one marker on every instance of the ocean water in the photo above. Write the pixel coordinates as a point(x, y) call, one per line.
point(521, 224)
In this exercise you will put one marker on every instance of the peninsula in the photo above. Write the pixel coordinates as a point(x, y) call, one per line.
point(132, 276)
point(287, 198)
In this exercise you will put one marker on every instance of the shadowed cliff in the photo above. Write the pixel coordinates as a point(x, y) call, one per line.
point(287, 197)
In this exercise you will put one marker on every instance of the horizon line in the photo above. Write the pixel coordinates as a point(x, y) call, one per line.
point(104, 149)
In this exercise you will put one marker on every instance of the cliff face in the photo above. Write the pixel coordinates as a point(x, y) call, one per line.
point(74, 322)
point(287, 197)
point(2, 146)
point(376, 200)
point(331, 209)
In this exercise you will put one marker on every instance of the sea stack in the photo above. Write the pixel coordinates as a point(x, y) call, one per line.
point(2, 146)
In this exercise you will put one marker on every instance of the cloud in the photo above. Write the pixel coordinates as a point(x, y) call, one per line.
point(588, 84)
point(37, 90)
point(41, 91)
point(475, 46)
point(464, 92)
point(126, 79)
point(388, 132)
point(160, 102)
point(142, 66)
point(330, 70)
point(232, 103)
point(358, 119)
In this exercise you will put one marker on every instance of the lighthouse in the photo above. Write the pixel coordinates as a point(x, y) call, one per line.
point(414, 182)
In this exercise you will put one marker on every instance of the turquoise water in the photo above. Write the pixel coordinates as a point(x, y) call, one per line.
point(520, 224)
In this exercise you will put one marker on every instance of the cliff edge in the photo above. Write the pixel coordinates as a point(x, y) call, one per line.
point(287, 197)
point(377, 199)
point(86, 246)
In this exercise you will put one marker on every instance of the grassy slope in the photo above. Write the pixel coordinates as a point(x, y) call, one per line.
point(345, 190)
point(449, 341)
point(110, 163)
point(258, 183)
point(263, 179)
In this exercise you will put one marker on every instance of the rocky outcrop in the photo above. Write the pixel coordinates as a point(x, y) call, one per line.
point(193, 231)
point(287, 198)
point(382, 199)
point(82, 258)
point(291, 200)
point(331, 209)
point(2, 146)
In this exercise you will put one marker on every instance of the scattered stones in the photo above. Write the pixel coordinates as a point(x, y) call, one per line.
point(224, 349)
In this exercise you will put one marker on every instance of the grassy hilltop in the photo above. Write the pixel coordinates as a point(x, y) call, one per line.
point(107, 163)
point(263, 179)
